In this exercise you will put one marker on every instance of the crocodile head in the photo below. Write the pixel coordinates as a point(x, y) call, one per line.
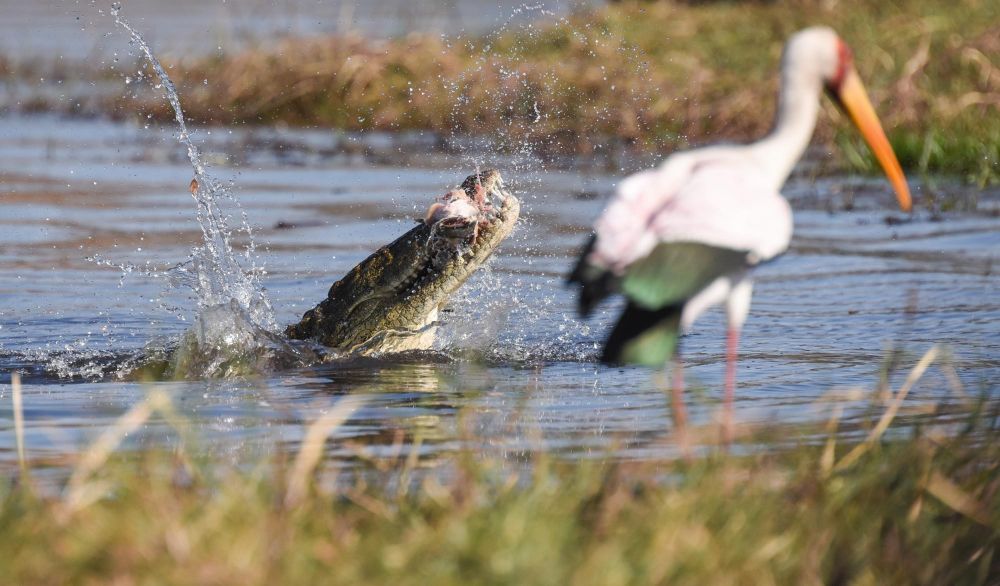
point(390, 301)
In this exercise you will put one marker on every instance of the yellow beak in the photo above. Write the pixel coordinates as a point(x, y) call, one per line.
point(854, 99)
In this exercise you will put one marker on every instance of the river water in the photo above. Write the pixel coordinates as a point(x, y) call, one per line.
point(512, 354)
point(74, 29)
point(92, 212)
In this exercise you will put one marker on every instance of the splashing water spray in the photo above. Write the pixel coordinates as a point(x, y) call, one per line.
point(499, 313)
point(229, 292)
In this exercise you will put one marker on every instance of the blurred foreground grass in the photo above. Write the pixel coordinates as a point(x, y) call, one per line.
point(918, 505)
point(646, 76)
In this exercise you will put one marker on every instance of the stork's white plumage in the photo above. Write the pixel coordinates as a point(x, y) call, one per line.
point(682, 237)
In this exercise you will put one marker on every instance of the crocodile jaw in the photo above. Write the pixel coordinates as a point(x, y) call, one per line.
point(390, 301)
point(420, 302)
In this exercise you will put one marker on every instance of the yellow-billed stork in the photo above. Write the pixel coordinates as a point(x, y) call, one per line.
point(682, 237)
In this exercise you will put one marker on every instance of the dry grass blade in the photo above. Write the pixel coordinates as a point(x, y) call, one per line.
point(836, 397)
point(890, 413)
point(954, 497)
point(826, 461)
point(411, 463)
point(78, 493)
point(15, 382)
point(955, 383)
point(312, 447)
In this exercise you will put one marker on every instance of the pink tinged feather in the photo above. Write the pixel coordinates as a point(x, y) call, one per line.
point(728, 204)
point(623, 230)
point(725, 202)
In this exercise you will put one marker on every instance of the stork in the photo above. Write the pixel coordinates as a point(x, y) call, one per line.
point(684, 236)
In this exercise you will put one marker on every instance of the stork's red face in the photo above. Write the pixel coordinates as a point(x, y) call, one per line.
point(849, 93)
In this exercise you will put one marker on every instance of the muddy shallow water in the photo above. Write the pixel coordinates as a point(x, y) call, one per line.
point(824, 316)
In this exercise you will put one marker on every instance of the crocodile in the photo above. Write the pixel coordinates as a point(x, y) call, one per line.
point(390, 302)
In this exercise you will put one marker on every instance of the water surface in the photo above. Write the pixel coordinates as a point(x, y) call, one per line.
point(511, 351)
point(74, 29)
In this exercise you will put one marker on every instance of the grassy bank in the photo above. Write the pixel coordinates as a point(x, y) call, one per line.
point(651, 76)
point(920, 508)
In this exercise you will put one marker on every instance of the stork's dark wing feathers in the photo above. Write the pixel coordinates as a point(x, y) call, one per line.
point(657, 287)
point(596, 283)
point(644, 336)
point(674, 272)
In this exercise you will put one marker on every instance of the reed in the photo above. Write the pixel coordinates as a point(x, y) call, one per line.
point(311, 451)
point(17, 398)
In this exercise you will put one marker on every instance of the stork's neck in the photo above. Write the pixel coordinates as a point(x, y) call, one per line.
point(798, 106)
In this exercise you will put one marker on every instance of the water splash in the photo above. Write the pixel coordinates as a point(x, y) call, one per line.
point(224, 281)
point(490, 314)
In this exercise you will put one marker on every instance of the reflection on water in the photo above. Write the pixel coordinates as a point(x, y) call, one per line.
point(511, 349)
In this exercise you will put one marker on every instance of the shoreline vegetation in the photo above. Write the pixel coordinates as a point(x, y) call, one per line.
point(640, 76)
point(907, 493)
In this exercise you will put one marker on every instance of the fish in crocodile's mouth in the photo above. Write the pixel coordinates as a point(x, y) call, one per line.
point(458, 214)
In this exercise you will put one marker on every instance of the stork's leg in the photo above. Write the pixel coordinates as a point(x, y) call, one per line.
point(732, 341)
point(677, 396)
point(678, 411)
point(737, 308)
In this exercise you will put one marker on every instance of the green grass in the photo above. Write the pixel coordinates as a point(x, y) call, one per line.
point(629, 76)
point(646, 76)
point(919, 510)
point(916, 505)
